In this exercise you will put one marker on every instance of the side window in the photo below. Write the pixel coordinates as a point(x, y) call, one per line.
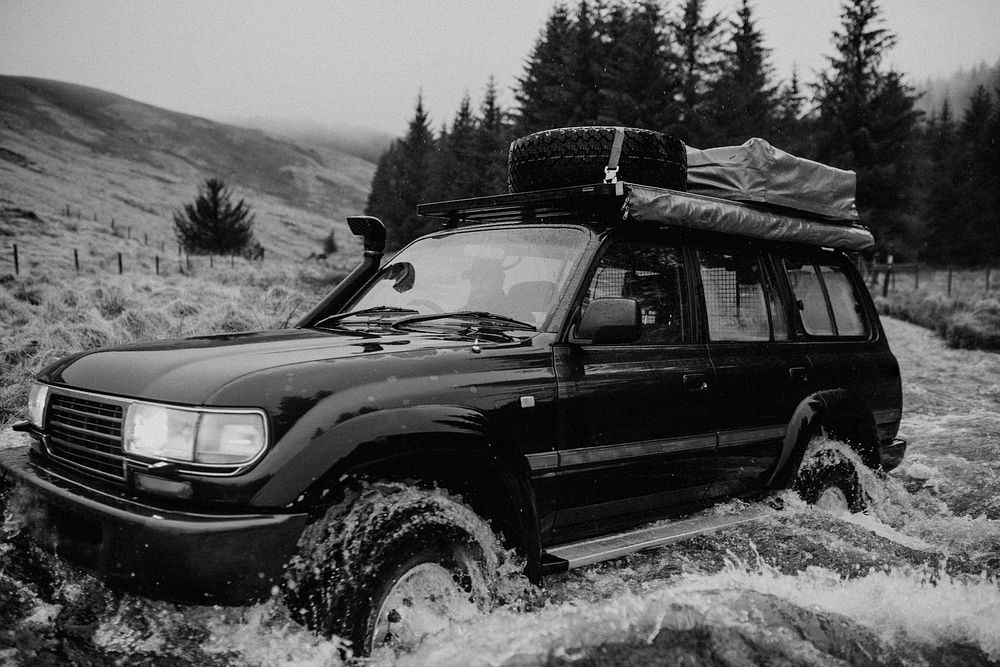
point(827, 302)
point(737, 305)
point(808, 289)
point(845, 304)
point(653, 275)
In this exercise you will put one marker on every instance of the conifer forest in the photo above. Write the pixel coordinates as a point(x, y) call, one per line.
point(928, 184)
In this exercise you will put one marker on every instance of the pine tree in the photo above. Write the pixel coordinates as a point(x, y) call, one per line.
point(212, 224)
point(977, 176)
point(791, 128)
point(742, 102)
point(585, 66)
point(638, 77)
point(697, 39)
point(545, 91)
point(402, 180)
point(451, 177)
point(492, 140)
point(866, 122)
point(944, 192)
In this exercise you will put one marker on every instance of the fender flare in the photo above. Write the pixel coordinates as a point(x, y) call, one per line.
point(825, 410)
point(368, 441)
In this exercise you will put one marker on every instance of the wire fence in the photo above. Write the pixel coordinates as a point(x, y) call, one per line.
point(159, 258)
point(885, 278)
point(156, 259)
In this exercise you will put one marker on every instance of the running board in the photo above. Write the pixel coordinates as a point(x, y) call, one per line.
point(587, 552)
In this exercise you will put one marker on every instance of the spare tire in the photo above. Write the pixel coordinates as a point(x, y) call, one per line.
point(570, 156)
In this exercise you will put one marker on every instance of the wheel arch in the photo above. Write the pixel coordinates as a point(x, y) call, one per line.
point(837, 412)
point(447, 446)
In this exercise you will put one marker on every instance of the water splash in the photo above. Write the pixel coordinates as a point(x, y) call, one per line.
point(343, 557)
point(748, 606)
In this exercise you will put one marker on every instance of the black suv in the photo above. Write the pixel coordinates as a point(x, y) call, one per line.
point(552, 370)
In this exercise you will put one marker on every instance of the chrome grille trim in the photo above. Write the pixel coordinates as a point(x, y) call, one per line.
point(85, 431)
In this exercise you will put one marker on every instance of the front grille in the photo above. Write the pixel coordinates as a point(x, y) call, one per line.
point(87, 433)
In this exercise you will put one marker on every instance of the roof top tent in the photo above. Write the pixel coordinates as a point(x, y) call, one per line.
point(752, 190)
point(649, 205)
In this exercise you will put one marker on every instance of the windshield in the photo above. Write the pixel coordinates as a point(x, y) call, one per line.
point(518, 273)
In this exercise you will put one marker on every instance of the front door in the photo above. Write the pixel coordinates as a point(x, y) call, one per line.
point(637, 440)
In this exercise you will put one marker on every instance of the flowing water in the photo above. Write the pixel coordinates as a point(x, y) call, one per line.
point(913, 581)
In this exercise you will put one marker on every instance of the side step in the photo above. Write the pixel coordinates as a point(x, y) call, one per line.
point(578, 554)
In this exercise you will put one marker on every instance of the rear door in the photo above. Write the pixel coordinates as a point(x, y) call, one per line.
point(837, 328)
point(637, 437)
point(761, 374)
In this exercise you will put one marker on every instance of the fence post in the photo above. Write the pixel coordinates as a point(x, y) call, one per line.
point(157, 265)
point(121, 269)
point(949, 281)
point(916, 276)
point(76, 259)
point(17, 263)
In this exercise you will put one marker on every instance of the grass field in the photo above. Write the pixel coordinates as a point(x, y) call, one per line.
point(45, 315)
point(967, 318)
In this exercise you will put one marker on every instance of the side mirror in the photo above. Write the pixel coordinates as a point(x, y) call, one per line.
point(613, 320)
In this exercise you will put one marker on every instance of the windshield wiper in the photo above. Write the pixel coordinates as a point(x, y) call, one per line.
point(374, 310)
point(465, 314)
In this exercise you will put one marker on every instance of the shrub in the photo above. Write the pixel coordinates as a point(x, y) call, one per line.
point(212, 224)
point(963, 322)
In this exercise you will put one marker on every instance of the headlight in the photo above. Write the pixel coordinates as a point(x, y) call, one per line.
point(197, 436)
point(37, 396)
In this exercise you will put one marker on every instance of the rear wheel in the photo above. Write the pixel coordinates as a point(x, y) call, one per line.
point(393, 565)
point(828, 479)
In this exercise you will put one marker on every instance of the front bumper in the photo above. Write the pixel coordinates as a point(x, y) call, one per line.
point(180, 556)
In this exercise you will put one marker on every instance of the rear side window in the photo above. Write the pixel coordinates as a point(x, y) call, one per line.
point(737, 304)
point(827, 301)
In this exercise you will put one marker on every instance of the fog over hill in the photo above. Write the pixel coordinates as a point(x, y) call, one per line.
point(957, 88)
point(354, 140)
point(73, 152)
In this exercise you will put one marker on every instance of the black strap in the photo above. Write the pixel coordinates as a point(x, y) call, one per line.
point(611, 171)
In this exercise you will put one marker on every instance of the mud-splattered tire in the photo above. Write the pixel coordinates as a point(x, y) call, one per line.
point(570, 156)
point(830, 481)
point(354, 559)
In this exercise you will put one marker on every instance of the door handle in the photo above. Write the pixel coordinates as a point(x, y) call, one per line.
point(696, 382)
point(798, 374)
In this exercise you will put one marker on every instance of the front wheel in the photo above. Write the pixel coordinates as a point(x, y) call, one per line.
point(828, 478)
point(395, 564)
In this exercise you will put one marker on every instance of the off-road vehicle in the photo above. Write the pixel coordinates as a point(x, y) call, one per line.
point(553, 370)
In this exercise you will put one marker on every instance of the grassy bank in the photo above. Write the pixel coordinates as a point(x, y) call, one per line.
point(43, 317)
point(965, 322)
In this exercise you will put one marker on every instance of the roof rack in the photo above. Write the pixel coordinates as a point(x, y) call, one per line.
point(597, 201)
point(647, 205)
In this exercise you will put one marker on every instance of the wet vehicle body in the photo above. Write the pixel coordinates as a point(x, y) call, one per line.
point(568, 371)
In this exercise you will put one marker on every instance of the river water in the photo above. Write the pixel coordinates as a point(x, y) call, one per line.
point(914, 581)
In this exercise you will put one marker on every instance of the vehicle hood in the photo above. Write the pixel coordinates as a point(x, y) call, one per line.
point(191, 370)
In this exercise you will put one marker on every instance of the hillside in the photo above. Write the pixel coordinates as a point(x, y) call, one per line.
point(73, 159)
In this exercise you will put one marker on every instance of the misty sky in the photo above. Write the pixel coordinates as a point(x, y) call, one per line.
point(355, 62)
